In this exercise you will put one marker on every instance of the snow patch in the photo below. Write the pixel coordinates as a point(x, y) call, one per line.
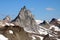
point(42, 31)
point(38, 21)
point(55, 27)
point(58, 19)
point(33, 38)
point(41, 38)
point(3, 37)
point(10, 31)
point(57, 39)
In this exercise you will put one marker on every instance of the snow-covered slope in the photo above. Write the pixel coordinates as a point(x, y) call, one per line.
point(55, 27)
point(38, 21)
point(3, 38)
point(42, 30)
point(58, 19)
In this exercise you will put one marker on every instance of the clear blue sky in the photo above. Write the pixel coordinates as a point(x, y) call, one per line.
point(41, 9)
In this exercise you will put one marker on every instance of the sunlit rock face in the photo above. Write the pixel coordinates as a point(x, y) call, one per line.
point(7, 19)
point(24, 27)
point(26, 19)
point(21, 27)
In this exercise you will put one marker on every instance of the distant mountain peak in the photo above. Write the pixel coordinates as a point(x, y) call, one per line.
point(7, 19)
point(44, 22)
point(54, 19)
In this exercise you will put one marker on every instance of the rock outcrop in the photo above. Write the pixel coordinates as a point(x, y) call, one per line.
point(55, 22)
point(26, 20)
point(24, 27)
point(48, 38)
point(7, 19)
point(45, 24)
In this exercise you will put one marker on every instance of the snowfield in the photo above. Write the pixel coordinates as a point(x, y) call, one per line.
point(58, 19)
point(42, 30)
point(38, 21)
point(3, 38)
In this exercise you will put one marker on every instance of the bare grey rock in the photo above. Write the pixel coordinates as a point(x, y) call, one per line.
point(45, 24)
point(26, 20)
point(24, 27)
point(7, 19)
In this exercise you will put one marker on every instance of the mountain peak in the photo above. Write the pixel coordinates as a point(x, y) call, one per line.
point(7, 19)
point(23, 8)
point(26, 20)
point(54, 19)
point(44, 22)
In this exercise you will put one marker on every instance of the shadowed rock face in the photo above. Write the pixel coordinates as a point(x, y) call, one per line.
point(26, 20)
point(55, 22)
point(45, 24)
point(48, 38)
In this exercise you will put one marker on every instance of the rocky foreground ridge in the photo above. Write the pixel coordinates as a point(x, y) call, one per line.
point(24, 27)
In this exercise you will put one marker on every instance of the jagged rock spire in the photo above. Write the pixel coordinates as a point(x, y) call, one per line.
point(24, 7)
point(26, 20)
